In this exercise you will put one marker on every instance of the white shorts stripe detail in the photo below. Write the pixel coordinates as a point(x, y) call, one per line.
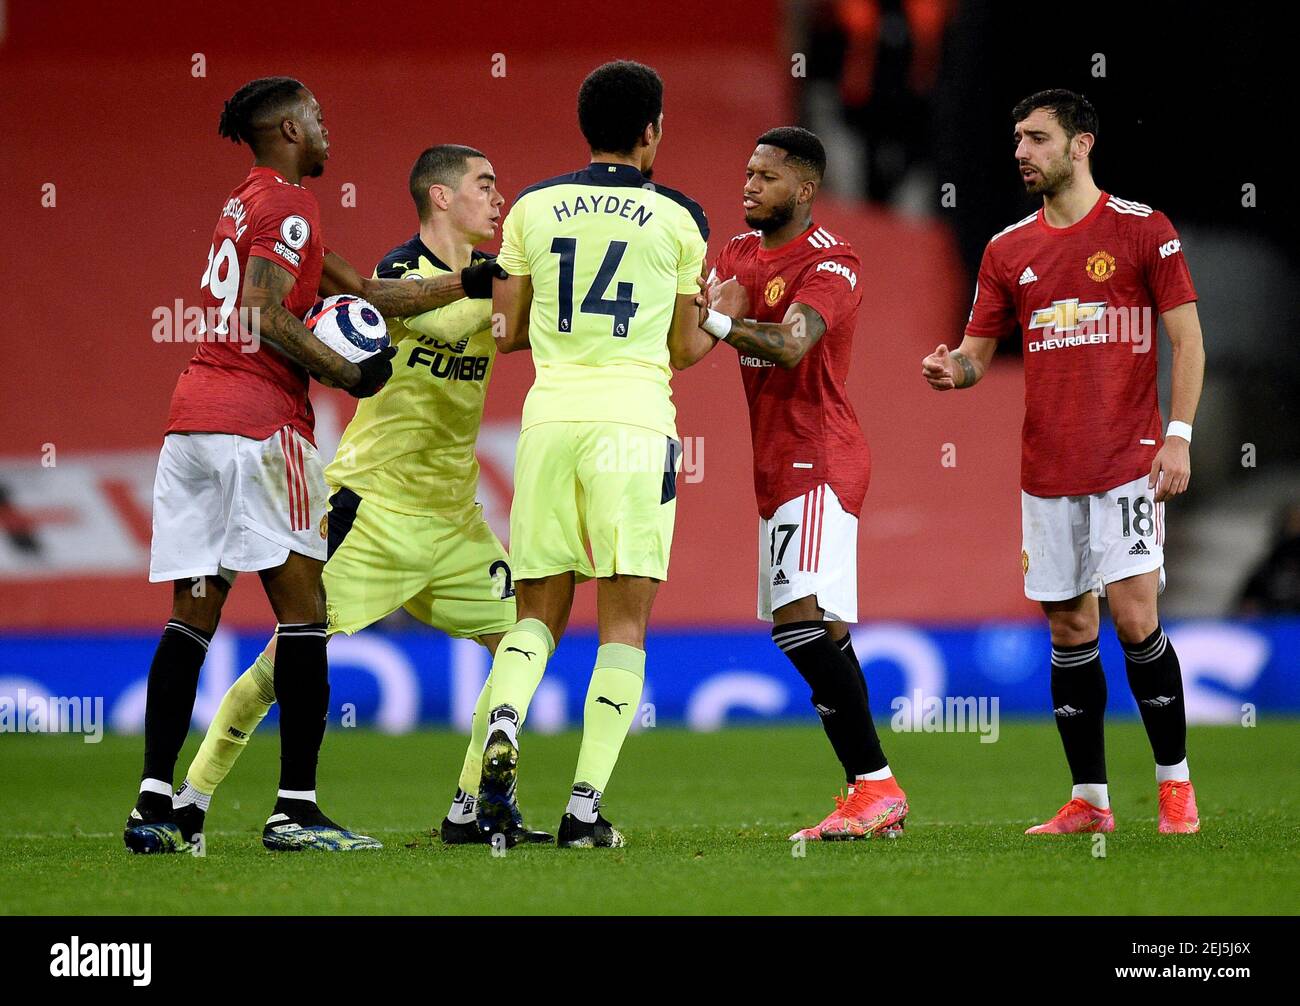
point(1076, 544)
point(817, 543)
point(786, 575)
point(290, 479)
point(222, 504)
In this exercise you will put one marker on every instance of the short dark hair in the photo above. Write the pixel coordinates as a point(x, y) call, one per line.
point(444, 164)
point(802, 148)
point(1073, 111)
point(616, 102)
point(255, 100)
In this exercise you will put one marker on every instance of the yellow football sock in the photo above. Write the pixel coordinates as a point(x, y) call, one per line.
point(518, 666)
point(613, 700)
point(244, 706)
point(472, 770)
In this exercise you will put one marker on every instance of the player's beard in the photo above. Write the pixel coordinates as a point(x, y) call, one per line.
point(1053, 178)
point(777, 217)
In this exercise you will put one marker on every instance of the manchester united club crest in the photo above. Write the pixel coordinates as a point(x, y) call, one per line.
point(774, 290)
point(325, 525)
point(1100, 267)
point(1024, 561)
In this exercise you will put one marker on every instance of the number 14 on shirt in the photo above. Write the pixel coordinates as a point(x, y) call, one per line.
point(622, 309)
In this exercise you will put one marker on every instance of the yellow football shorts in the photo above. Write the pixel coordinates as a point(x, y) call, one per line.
point(449, 572)
point(597, 498)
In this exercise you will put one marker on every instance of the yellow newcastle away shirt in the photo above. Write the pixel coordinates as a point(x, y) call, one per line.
point(608, 252)
point(410, 448)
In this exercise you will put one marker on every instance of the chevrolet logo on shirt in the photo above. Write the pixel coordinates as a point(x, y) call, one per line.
point(1068, 315)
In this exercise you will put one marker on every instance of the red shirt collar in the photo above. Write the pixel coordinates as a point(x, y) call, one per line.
point(1079, 224)
point(782, 248)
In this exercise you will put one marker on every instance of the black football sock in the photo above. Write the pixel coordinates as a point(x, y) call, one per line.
point(1079, 702)
point(302, 689)
point(855, 672)
point(169, 699)
point(1157, 684)
point(855, 668)
point(838, 694)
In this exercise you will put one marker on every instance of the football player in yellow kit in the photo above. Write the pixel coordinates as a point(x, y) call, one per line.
point(405, 530)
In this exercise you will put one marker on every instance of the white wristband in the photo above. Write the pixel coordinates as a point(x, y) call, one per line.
point(1178, 429)
point(717, 325)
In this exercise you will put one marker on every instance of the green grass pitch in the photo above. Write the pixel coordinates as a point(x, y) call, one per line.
point(706, 816)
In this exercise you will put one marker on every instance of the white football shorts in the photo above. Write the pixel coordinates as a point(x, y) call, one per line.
point(1075, 544)
point(224, 504)
point(809, 547)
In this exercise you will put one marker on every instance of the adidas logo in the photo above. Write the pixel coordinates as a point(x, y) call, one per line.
point(780, 579)
point(1028, 277)
point(1140, 548)
point(1067, 711)
point(1159, 702)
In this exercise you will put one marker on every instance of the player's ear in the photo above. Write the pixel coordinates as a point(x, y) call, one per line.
point(1083, 144)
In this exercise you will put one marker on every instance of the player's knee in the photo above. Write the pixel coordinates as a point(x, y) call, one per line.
point(1133, 626)
point(198, 602)
point(1069, 628)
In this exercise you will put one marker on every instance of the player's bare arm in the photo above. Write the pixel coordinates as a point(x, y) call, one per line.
point(512, 300)
point(688, 343)
point(961, 368)
point(398, 298)
point(265, 287)
point(784, 343)
point(1171, 469)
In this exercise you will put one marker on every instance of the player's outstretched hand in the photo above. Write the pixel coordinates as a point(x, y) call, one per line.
point(375, 372)
point(1171, 469)
point(937, 368)
point(477, 279)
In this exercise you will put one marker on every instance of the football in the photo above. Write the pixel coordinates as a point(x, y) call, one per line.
point(350, 326)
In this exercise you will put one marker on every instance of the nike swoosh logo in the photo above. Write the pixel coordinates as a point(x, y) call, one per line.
point(527, 653)
point(618, 706)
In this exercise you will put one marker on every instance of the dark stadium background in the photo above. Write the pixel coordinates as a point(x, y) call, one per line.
point(103, 103)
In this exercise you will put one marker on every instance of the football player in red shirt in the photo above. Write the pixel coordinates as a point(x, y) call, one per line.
point(785, 296)
point(1083, 279)
point(239, 485)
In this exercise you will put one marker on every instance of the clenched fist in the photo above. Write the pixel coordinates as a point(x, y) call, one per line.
point(940, 369)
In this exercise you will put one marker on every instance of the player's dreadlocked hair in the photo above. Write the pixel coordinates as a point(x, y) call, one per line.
point(251, 102)
point(616, 102)
point(802, 148)
point(444, 164)
point(1073, 111)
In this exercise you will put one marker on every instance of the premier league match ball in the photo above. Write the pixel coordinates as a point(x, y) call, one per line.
point(350, 326)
